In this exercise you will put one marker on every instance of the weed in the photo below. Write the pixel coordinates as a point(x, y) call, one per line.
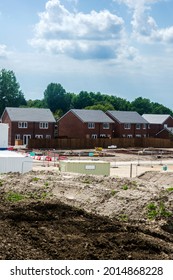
point(113, 192)
point(123, 217)
point(162, 210)
point(1, 183)
point(46, 184)
point(170, 189)
point(125, 187)
point(86, 181)
point(44, 195)
point(35, 179)
point(14, 197)
point(156, 211)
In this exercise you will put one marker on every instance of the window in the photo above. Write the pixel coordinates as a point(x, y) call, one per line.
point(94, 136)
point(102, 135)
point(144, 126)
point(43, 125)
point(138, 126)
point(17, 137)
point(127, 125)
point(138, 135)
point(48, 136)
point(129, 135)
point(38, 136)
point(22, 124)
point(91, 125)
point(149, 126)
point(105, 125)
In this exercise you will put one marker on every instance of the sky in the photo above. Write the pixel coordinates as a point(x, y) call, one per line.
point(117, 47)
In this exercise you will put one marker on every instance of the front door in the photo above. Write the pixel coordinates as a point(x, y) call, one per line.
point(26, 137)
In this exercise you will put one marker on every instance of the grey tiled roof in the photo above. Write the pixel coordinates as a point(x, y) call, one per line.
point(127, 117)
point(155, 118)
point(96, 116)
point(30, 114)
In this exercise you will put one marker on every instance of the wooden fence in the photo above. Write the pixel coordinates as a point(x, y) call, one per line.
point(73, 144)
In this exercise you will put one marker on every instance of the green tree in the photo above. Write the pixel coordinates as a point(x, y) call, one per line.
point(160, 109)
point(54, 97)
point(101, 106)
point(82, 100)
point(10, 93)
point(37, 103)
point(141, 105)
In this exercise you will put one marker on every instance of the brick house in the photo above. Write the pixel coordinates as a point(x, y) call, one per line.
point(158, 124)
point(80, 123)
point(128, 124)
point(28, 123)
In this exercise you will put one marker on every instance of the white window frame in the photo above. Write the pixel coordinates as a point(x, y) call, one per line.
point(48, 136)
point(138, 126)
point(22, 125)
point(127, 126)
point(17, 136)
point(91, 125)
point(138, 135)
point(94, 136)
point(103, 135)
point(43, 125)
point(39, 136)
point(129, 136)
point(144, 126)
point(106, 125)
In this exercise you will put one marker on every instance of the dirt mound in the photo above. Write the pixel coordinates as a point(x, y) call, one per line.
point(52, 230)
point(48, 215)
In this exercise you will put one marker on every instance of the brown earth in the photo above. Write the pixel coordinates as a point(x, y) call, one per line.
point(50, 215)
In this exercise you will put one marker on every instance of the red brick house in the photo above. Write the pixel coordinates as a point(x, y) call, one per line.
point(79, 123)
point(158, 123)
point(128, 124)
point(28, 123)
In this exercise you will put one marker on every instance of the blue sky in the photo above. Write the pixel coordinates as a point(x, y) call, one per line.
point(117, 47)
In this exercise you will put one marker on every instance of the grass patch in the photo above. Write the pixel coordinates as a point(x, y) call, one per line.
point(157, 211)
point(14, 197)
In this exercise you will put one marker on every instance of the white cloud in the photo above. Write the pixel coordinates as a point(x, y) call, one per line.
point(93, 35)
point(3, 51)
point(144, 26)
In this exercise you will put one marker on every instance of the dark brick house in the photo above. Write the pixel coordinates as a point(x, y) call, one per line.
point(158, 124)
point(28, 123)
point(80, 123)
point(128, 124)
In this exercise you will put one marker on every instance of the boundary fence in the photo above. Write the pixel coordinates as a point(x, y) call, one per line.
point(99, 142)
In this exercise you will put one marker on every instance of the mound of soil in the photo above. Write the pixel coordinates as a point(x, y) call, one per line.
point(37, 223)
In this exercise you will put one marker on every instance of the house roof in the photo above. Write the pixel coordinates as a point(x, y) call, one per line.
point(30, 114)
point(155, 118)
point(168, 129)
point(96, 116)
point(127, 117)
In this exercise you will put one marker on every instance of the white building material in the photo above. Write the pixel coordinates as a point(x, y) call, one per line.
point(3, 135)
point(11, 161)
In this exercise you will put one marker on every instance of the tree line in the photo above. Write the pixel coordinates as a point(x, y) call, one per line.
point(59, 101)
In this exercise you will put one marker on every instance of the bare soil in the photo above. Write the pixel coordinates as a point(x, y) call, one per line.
point(45, 214)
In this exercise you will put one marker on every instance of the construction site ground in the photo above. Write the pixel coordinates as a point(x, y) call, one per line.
point(48, 214)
